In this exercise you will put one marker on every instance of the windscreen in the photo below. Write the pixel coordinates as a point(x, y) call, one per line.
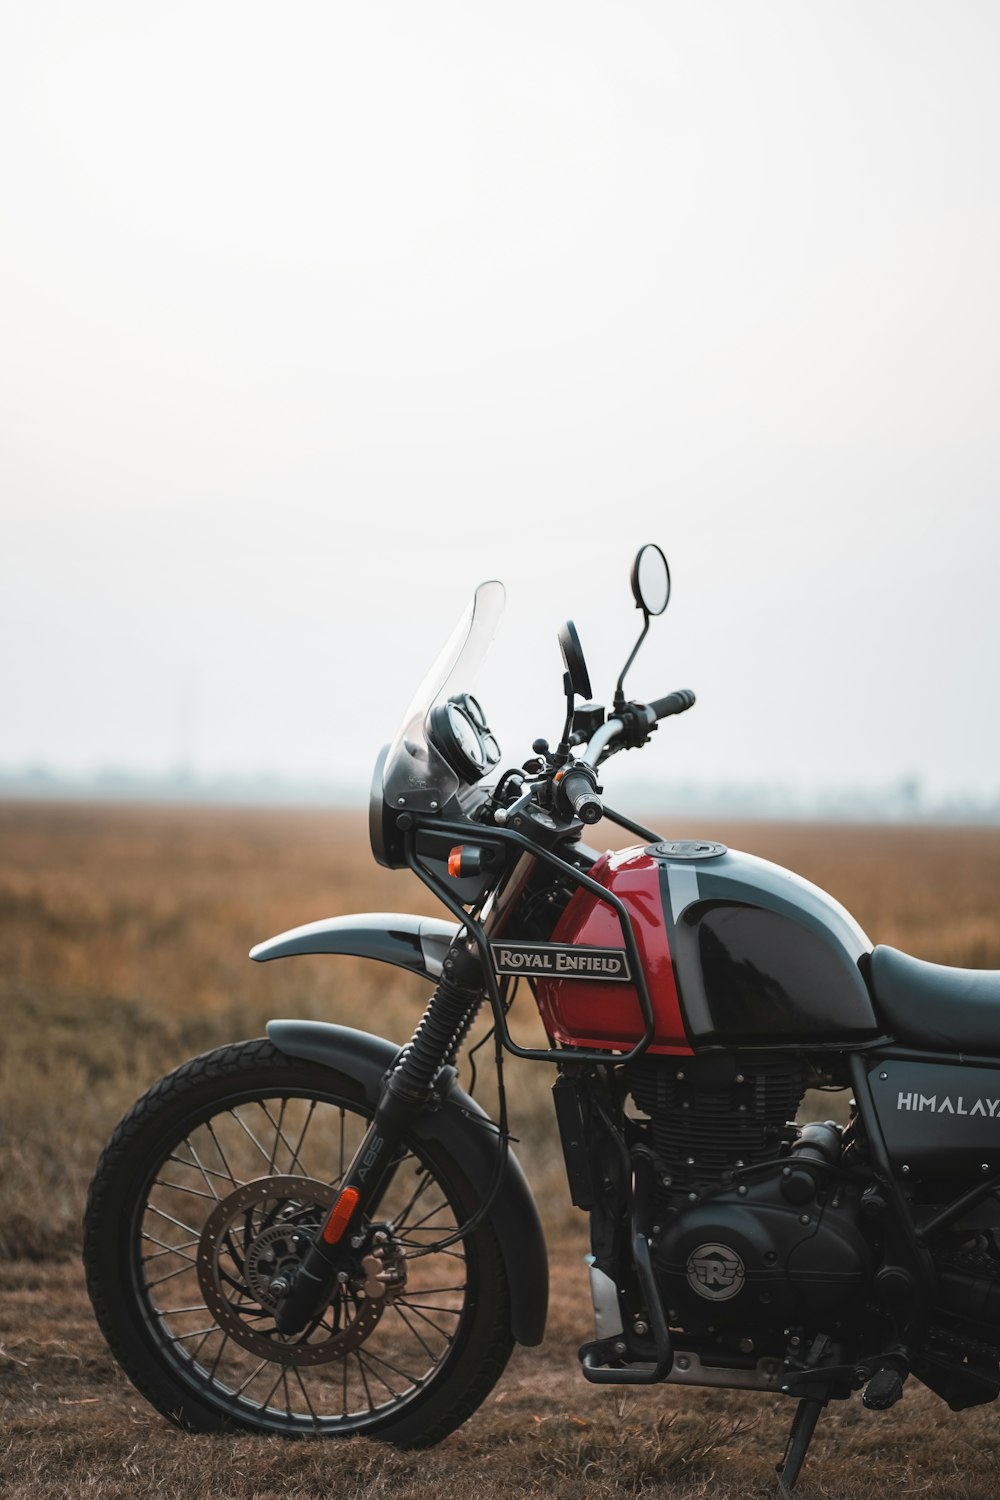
point(416, 775)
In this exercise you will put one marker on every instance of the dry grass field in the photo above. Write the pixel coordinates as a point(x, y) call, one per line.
point(123, 941)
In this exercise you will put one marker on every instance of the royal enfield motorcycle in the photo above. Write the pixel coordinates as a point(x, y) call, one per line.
point(322, 1233)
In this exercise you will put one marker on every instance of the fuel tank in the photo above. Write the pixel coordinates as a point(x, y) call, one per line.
point(737, 952)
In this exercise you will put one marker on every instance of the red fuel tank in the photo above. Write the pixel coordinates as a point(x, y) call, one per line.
point(737, 952)
point(589, 1013)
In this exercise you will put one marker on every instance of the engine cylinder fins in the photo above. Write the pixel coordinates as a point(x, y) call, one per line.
point(711, 1115)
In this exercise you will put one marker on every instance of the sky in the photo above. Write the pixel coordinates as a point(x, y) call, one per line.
point(314, 316)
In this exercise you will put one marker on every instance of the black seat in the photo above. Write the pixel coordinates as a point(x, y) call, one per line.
point(931, 1005)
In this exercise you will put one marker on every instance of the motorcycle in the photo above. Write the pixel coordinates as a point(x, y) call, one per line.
point(321, 1233)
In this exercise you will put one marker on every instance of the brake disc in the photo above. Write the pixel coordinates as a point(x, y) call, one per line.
point(263, 1228)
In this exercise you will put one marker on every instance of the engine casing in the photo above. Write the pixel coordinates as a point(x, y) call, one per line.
point(756, 1260)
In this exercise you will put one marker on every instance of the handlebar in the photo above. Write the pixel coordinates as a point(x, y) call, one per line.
point(578, 786)
point(673, 703)
point(577, 781)
point(661, 708)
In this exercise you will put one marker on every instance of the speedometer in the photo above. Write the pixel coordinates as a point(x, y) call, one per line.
point(465, 734)
point(459, 731)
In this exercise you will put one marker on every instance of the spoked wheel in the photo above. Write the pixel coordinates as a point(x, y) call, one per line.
point(207, 1198)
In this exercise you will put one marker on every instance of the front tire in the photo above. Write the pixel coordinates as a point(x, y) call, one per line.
point(212, 1185)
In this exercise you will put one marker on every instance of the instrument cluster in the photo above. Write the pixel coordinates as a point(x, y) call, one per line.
point(458, 729)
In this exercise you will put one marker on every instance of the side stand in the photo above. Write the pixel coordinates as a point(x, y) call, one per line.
point(803, 1426)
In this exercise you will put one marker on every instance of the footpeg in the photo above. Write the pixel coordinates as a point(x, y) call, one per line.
point(883, 1390)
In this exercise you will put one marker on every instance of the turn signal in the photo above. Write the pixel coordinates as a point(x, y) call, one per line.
point(469, 859)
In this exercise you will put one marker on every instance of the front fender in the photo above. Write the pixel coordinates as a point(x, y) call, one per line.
point(458, 1124)
point(416, 943)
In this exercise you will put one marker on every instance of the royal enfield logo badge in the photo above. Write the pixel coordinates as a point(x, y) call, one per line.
point(716, 1272)
point(560, 961)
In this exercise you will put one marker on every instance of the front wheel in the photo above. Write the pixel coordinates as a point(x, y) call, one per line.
point(211, 1188)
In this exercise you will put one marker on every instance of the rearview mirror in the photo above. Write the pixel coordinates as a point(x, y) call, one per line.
point(572, 655)
point(651, 592)
point(651, 580)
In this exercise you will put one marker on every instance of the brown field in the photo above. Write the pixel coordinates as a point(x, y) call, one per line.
point(123, 940)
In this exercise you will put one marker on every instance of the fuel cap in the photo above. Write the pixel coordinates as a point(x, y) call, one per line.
point(687, 849)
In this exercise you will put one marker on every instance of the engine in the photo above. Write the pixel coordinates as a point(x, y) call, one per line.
point(752, 1225)
point(711, 1115)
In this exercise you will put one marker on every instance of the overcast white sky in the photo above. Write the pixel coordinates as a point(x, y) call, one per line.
point(312, 316)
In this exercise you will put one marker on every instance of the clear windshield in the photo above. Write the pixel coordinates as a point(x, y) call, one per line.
point(416, 775)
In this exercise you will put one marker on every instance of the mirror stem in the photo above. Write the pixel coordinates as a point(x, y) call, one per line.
point(563, 750)
point(619, 695)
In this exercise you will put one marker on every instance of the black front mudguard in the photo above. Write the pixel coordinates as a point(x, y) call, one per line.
point(419, 944)
point(457, 1123)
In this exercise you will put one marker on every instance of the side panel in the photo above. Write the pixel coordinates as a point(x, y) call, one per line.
point(941, 1123)
point(459, 1125)
point(589, 1013)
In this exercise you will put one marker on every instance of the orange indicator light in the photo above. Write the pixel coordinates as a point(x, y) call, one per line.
point(455, 861)
point(340, 1215)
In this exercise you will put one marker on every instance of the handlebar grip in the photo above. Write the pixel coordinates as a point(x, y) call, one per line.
point(673, 703)
point(578, 787)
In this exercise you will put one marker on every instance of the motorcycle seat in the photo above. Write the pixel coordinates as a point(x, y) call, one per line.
point(932, 1005)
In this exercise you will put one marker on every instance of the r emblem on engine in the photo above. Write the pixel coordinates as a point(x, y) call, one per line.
point(716, 1272)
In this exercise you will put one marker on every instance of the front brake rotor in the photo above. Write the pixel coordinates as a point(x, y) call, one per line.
point(263, 1228)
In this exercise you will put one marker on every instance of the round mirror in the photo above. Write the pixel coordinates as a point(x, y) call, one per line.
point(651, 579)
point(572, 655)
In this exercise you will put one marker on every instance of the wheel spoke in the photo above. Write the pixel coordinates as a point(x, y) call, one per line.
point(218, 1356)
point(364, 1380)
point(414, 1307)
point(252, 1376)
point(434, 1291)
point(195, 1352)
point(249, 1133)
point(296, 1162)
point(375, 1376)
point(267, 1399)
point(178, 1187)
point(421, 1187)
point(168, 1249)
point(414, 1380)
point(196, 1161)
point(421, 1250)
point(178, 1338)
point(159, 1280)
point(312, 1409)
point(222, 1154)
point(278, 1136)
point(416, 1332)
point(432, 1214)
point(153, 1208)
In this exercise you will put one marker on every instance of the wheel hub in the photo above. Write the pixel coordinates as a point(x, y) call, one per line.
point(278, 1250)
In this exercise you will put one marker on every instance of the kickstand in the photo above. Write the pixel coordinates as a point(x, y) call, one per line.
point(799, 1438)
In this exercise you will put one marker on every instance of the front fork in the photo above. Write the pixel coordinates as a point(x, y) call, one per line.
point(405, 1094)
